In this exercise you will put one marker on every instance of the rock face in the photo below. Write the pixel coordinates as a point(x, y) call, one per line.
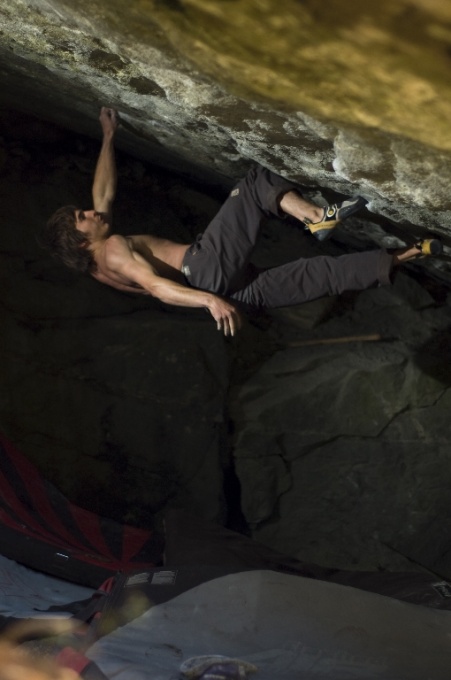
point(352, 99)
point(346, 444)
point(340, 449)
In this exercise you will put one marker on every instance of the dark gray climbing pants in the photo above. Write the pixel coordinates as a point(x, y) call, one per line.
point(218, 261)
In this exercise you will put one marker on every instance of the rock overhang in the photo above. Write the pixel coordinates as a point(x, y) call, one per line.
point(210, 107)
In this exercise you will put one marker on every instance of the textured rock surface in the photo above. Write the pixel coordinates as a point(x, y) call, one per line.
point(348, 98)
point(348, 444)
point(341, 450)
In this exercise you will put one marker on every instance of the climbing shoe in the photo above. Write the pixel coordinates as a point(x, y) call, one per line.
point(333, 214)
point(428, 247)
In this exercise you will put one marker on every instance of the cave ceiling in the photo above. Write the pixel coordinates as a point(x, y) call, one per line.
point(351, 98)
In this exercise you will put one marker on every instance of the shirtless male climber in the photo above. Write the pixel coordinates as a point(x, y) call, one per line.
point(213, 271)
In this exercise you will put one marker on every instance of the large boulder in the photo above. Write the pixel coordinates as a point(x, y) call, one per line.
point(343, 442)
point(123, 402)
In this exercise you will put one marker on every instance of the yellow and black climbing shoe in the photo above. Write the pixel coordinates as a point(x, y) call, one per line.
point(429, 247)
point(333, 214)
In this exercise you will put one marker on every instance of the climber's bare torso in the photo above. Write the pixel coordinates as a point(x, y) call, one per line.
point(164, 257)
